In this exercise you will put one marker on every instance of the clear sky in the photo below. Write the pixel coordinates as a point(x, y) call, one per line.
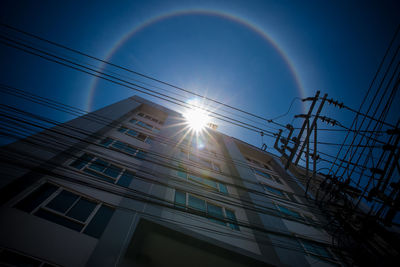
point(254, 55)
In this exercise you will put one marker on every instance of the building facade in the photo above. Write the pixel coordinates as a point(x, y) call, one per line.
point(129, 185)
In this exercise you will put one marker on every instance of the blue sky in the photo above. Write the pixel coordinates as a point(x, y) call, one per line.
point(254, 55)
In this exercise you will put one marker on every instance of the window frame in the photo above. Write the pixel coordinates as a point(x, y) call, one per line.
point(146, 125)
point(285, 195)
point(63, 215)
point(272, 177)
point(187, 175)
point(331, 258)
point(139, 151)
point(94, 158)
point(197, 159)
point(306, 218)
point(52, 196)
point(151, 118)
point(148, 139)
point(227, 222)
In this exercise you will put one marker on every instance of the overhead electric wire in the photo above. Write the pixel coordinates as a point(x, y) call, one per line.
point(236, 161)
point(144, 83)
point(232, 121)
point(129, 165)
point(130, 85)
point(133, 72)
point(142, 89)
point(175, 168)
point(370, 86)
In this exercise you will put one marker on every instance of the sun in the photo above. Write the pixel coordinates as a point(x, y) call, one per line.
point(197, 119)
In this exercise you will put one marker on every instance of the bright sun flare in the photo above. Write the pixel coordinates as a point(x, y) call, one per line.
point(197, 119)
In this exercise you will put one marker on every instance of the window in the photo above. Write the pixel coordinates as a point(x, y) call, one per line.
point(144, 125)
point(13, 258)
point(274, 190)
point(280, 193)
point(103, 170)
point(138, 135)
point(292, 214)
point(215, 213)
point(316, 249)
point(218, 186)
point(68, 209)
point(255, 162)
point(266, 175)
point(123, 147)
point(150, 118)
point(289, 212)
point(202, 161)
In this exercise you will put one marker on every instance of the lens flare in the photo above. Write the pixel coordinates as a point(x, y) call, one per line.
point(197, 119)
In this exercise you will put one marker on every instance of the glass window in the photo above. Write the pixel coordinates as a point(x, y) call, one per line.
point(132, 133)
point(215, 211)
point(98, 165)
point(58, 219)
point(316, 249)
point(118, 145)
point(273, 190)
point(67, 209)
point(36, 198)
point(141, 137)
point(82, 209)
point(82, 161)
point(180, 199)
point(99, 222)
point(122, 129)
point(106, 142)
point(62, 201)
point(231, 217)
point(195, 178)
point(266, 175)
point(130, 150)
point(144, 125)
point(197, 203)
point(109, 172)
point(205, 162)
point(289, 212)
point(113, 171)
point(99, 175)
point(126, 179)
point(182, 174)
point(210, 183)
point(141, 154)
point(222, 188)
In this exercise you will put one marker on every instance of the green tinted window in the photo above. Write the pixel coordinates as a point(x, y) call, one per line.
point(180, 199)
point(215, 211)
point(197, 203)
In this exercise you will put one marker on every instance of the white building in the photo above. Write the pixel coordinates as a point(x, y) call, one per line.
point(126, 186)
